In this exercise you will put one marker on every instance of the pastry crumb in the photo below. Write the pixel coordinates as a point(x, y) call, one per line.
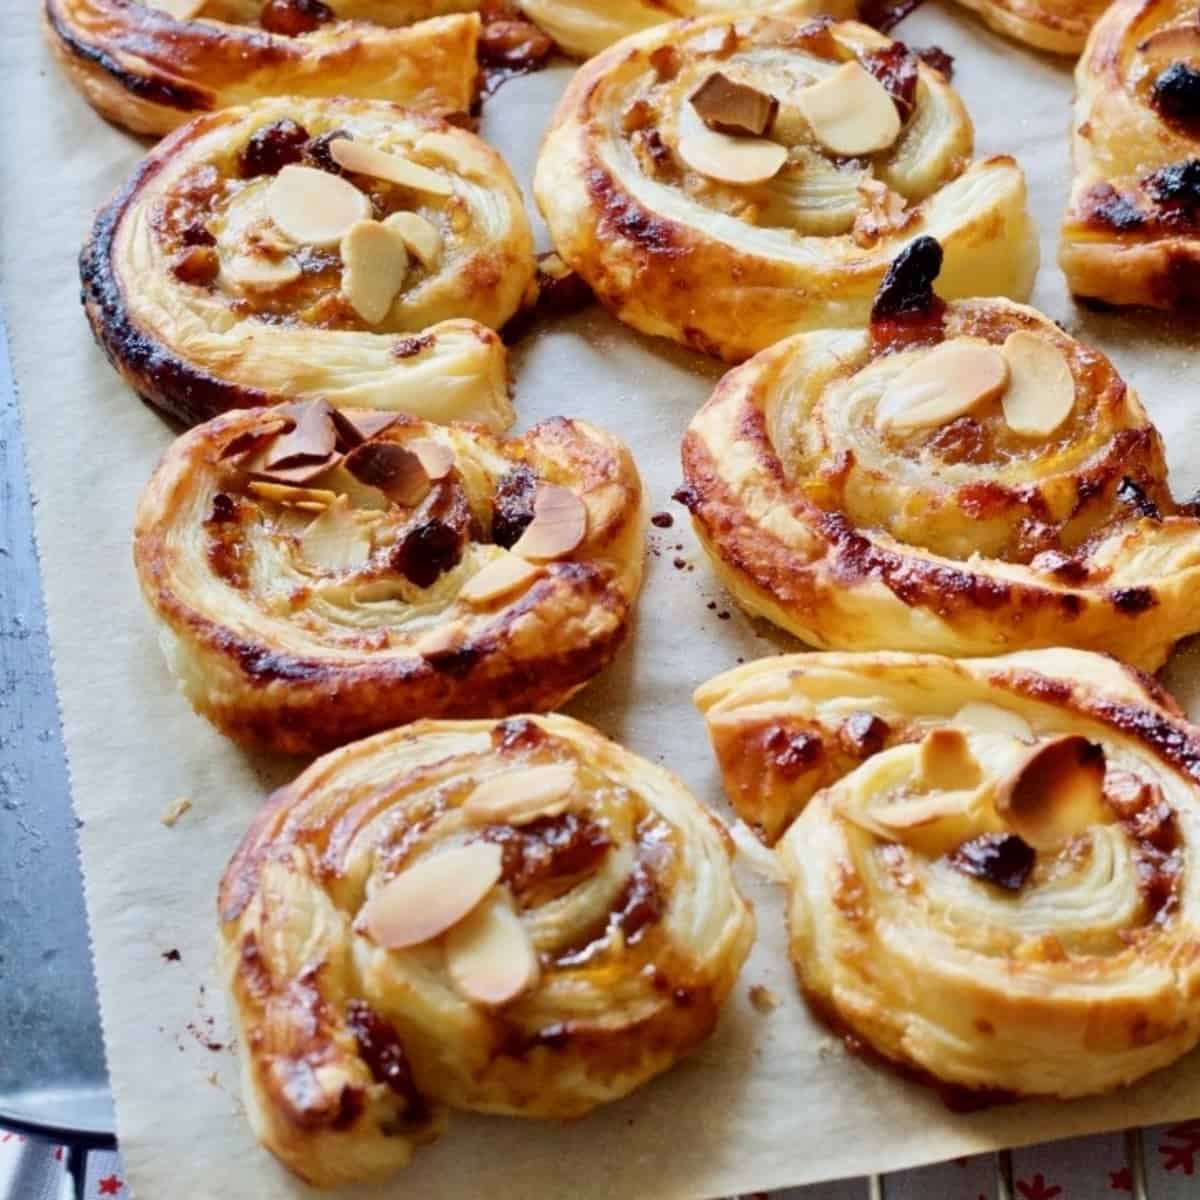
point(763, 999)
point(175, 810)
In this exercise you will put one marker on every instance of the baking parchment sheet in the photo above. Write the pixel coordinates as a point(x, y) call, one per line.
point(771, 1100)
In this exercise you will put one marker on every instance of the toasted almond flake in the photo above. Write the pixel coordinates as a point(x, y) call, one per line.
point(944, 383)
point(391, 468)
point(946, 762)
point(181, 10)
point(381, 164)
point(522, 795)
point(314, 207)
point(729, 106)
point(257, 438)
point(257, 273)
point(850, 111)
point(360, 495)
point(445, 639)
point(763, 999)
point(436, 457)
point(374, 264)
point(335, 541)
point(283, 493)
point(742, 160)
point(502, 576)
point(431, 896)
point(313, 439)
point(1041, 388)
point(1056, 792)
point(422, 237)
point(298, 476)
point(175, 810)
point(559, 524)
point(489, 956)
point(991, 718)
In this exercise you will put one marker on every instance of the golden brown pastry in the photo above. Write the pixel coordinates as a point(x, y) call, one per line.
point(991, 879)
point(962, 478)
point(1130, 235)
point(1059, 26)
point(150, 65)
point(515, 917)
point(727, 183)
point(319, 575)
point(292, 249)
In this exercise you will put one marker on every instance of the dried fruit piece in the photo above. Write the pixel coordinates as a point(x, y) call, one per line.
point(436, 457)
point(273, 147)
point(313, 438)
point(729, 159)
point(257, 273)
point(727, 106)
point(396, 471)
point(559, 524)
point(293, 18)
point(427, 552)
point(1041, 388)
point(999, 858)
point(313, 207)
point(502, 576)
point(907, 288)
point(520, 796)
point(850, 112)
point(335, 541)
point(422, 237)
point(944, 383)
point(374, 264)
point(1057, 791)
point(991, 718)
point(489, 956)
point(394, 168)
point(431, 896)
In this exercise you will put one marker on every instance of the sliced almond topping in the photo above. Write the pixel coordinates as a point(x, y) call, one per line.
point(431, 896)
point(393, 469)
point(520, 796)
point(732, 160)
point(314, 207)
point(181, 10)
point(436, 457)
point(445, 639)
point(335, 541)
point(850, 111)
point(559, 524)
point(946, 762)
point(501, 577)
point(298, 476)
point(727, 106)
point(380, 164)
point(374, 264)
point(1041, 388)
point(1057, 791)
point(422, 237)
point(258, 438)
point(283, 493)
point(990, 718)
point(489, 956)
point(360, 425)
point(312, 440)
point(257, 273)
point(943, 384)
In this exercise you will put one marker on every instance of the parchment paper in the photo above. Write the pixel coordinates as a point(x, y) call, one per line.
point(771, 1100)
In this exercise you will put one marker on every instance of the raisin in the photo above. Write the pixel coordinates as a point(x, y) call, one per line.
point(1000, 858)
point(1177, 187)
point(272, 148)
point(426, 552)
point(938, 59)
point(1131, 493)
point(380, 1048)
point(514, 44)
point(896, 69)
point(316, 152)
point(197, 265)
point(512, 508)
point(294, 17)
point(907, 288)
point(863, 733)
point(1176, 93)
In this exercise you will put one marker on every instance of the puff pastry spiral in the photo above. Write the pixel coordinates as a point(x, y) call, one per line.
point(728, 241)
point(517, 917)
point(992, 880)
point(150, 66)
point(299, 248)
point(961, 478)
point(1059, 26)
point(318, 576)
point(1130, 235)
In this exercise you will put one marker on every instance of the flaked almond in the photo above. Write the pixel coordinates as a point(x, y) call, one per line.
point(1057, 791)
point(314, 207)
point(181, 10)
point(446, 638)
point(335, 541)
point(1041, 388)
point(422, 237)
point(522, 795)
point(942, 385)
point(850, 112)
point(374, 264)
point(312, 439)
point(301, 475)
point(284, 493)
point(727, 106)
point(360, 495)
point(360, 425)
point(741, 160)
point(559, 524)
point(260, 437)
point(991, 718)
point(489, 956)
point(431, 896)
point(505, 574)
point(436, 457)
point(946, 763)
point(257, 273)
point(394, 168)
point(392, 469)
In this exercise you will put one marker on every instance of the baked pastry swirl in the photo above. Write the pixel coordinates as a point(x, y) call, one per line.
point(295, 248)
point(150, 65)
point(727, 183)
point(319, 575)
point(962, 478)
point(1059, 26)
point(515, 917)
point(992, 881)
point(1131, 233)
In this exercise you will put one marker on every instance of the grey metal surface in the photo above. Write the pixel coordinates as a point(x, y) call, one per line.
point(52, 1072)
